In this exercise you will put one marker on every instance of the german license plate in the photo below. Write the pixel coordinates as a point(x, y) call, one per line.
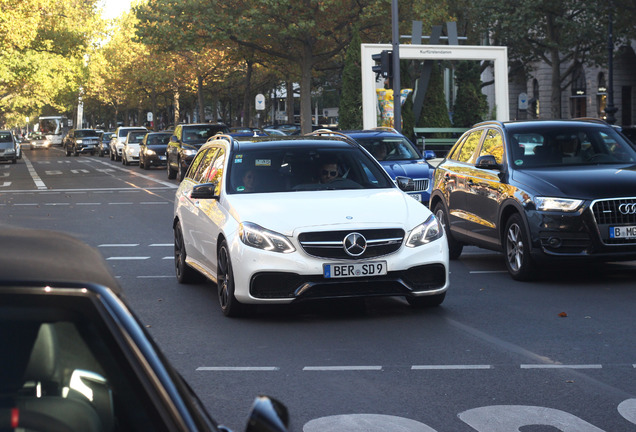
point(624, 232)
point(331, 271)
point(162, 158)
point(416, 197)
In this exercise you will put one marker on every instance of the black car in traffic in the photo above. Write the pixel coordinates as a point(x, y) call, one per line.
point(152, 149)
point(539, 191)
point(74, 355)
point(81, 141)
point(184, 143)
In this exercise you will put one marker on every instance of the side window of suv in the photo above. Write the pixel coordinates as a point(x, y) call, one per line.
point(468, 148)
point(196, 165)
point(201, 176)
point(493, 145)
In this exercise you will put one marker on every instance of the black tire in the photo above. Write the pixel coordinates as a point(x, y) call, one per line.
point(225, 284)
point(454, 247)
point(427, 301)
point(185, 273)
point(516, 248)
point(172, 174)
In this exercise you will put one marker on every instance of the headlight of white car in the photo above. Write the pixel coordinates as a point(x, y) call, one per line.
point(258, 237)
point(79, 141)
point(189, 152)
point(425, 233)
point(557, 204)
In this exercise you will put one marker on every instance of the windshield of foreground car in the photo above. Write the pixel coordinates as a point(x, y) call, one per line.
point(389, 148)
point(534, 147)
point(303, 169)
point(86, 134)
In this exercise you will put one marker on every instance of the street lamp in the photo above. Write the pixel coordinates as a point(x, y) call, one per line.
point(610, 109)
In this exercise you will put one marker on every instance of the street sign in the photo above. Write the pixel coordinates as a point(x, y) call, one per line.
point(523, 101)
point(149, 116)
point(260, 101)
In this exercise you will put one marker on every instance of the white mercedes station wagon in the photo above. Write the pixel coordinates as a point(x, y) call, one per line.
point(288, 219)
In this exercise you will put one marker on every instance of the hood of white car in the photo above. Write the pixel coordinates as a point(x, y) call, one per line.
point(291, 212)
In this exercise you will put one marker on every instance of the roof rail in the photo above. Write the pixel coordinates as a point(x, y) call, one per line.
point(386, 129)
point(329, 132)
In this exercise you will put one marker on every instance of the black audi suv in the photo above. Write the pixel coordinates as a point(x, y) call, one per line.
point(539, 191)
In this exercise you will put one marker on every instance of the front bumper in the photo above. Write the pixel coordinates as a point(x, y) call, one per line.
point(270, 277)
point(581, 235)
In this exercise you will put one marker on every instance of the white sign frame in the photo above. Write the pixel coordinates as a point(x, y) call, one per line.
point(497, 54)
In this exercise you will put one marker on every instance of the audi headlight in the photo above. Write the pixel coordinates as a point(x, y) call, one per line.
point(79, 141)
point(150, 152)
point(258, 237)
point(557, 204)
point(425, 233)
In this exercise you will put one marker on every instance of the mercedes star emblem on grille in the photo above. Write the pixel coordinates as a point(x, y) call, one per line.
point(627, 209)
point(355, 244)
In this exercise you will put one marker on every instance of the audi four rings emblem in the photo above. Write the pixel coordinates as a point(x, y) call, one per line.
point(355, 244)
point(627, 209)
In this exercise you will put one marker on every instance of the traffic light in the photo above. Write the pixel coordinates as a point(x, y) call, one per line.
point(383, 64)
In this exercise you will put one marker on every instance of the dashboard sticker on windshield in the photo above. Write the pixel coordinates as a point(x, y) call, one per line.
point(263, 162)
point(519, 162)
point(238, 159)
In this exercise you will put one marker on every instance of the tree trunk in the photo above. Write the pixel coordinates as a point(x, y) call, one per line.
point(201, 99)
point(155, 114)
point(177, 114)
point(247, 105)
point(305, 91)
point(555, 99)
point(289, 104)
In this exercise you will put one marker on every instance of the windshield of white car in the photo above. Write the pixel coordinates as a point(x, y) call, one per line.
point(534, 147)
point(303, 169)
point(389, 148)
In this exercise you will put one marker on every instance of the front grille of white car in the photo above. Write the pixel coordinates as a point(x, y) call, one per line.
point(330, 244)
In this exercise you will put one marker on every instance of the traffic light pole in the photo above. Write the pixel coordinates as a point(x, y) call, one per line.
point(397, 99)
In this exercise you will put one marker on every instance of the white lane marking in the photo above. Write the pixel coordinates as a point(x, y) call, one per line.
point(560, 366)
point(155, 277)
point(161, 245)
point(34, 175)
point(127, 258)
point(167, 258)
point(4, 174)
point(342, 368)
point(78, 171)
point(118, 245)
point(25, 205)
point(365, 423)
point(238, 368)
point(154, 202)
point(488, 271)
point(57, 204)
point(55, 172)
point(120, 203)
point(627, 409)
point(168, 184)
point(87, 204)
point(450, 367)
point(5, 184)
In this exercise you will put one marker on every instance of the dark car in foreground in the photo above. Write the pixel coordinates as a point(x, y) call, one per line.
point(152, 149)
point(184, 143)
point(397, 155)
point(74, 356)
point(539, 191)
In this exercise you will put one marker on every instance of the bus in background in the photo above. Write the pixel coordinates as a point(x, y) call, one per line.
point(54, 128)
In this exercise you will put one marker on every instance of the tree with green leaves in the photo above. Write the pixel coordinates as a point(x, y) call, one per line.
point(350, 111)
point(434, 110)
point(561, 33)
point(471, 105)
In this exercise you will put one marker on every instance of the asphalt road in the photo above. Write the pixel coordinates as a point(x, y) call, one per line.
point(558, 354)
